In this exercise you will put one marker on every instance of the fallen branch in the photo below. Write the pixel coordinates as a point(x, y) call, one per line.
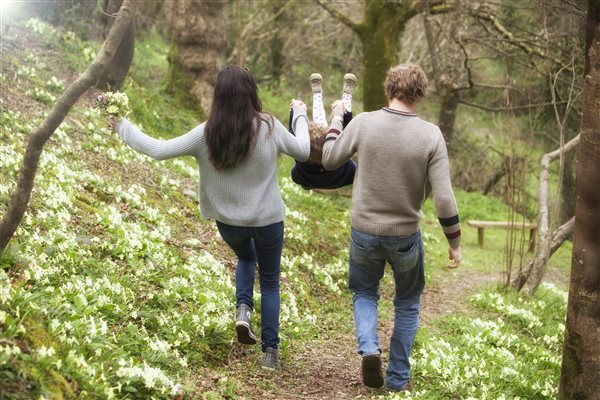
point(559, 236)
point(530, 278)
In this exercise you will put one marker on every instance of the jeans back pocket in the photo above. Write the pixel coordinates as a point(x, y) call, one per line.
point(404, 260)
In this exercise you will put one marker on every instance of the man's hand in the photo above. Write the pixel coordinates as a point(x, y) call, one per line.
point(337, 109)
point(455, 257)
point(112, 122)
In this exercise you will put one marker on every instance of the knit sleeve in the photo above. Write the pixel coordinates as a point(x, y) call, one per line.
point(339, 146)
point(443, 196)
point(185, 145)
point(295, 146)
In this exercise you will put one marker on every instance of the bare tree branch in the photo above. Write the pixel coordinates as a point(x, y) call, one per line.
point(506, 109)
point(250, 29)
point(356, 27)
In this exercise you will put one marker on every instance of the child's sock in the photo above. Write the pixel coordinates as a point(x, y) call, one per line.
point(319, 116)
point(347, 101)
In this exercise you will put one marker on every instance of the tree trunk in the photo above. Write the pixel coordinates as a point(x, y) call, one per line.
point(581, 356)
point(20, 197)
point(116, 71)
point(380, 34)
point(277, 57)
point(444, 82)
point(198, 29)
point(447, 117)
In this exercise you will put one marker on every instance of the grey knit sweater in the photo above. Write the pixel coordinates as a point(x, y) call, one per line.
point(246, 195)
point(397, 153)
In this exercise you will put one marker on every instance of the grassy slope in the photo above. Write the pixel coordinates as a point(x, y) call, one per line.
point(114, 285)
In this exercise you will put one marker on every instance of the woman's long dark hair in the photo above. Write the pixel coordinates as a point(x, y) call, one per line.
point(230, 130)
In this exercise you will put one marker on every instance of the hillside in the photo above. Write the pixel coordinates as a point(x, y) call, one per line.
point(114, 287)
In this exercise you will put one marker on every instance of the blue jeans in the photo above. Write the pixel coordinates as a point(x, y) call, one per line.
point(368, 255)
point(262, 245)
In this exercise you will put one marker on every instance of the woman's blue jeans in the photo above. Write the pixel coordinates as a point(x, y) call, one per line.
point(262, 245)
point(368, 255)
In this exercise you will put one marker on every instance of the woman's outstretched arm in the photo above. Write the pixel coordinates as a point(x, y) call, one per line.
point(185, 145)
point(295, 146)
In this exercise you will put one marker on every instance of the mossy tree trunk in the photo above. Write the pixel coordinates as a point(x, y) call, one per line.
point(581, 356)
point(198, 29)
point(379, 33)
point(277, 41)
point(448, 107)
point(116, 71)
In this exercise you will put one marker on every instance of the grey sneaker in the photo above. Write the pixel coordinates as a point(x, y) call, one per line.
point(271, 360)
point(316, 81)
point(243, 326)
point(371, 370)
point(349, 83)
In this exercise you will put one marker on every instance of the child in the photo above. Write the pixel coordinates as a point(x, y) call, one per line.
point(311, 174)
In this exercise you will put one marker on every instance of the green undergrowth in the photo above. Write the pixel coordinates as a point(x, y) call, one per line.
point(509, 349)
point(114, 287)
point(159, 113)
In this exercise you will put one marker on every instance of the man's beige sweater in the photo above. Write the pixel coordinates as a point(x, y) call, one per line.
point(397, 154)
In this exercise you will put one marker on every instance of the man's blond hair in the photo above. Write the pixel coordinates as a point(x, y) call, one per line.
point(406, 82)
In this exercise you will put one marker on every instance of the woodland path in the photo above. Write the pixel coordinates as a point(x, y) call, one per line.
point(330, 369)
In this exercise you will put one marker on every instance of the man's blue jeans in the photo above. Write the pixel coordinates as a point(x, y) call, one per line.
point(262, 245)
point(368, 255)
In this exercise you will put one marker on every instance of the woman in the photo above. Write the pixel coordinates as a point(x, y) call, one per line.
point(237, 151)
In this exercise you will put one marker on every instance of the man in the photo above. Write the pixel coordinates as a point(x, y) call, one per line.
point(397, 154)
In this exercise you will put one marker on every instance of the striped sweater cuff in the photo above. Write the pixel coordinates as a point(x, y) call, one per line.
point(451, 228)
point(332, 134)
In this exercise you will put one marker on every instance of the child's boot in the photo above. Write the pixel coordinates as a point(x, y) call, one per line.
point(316, 81)
point(349, 83)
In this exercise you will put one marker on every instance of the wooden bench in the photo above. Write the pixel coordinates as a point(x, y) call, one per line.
point(481, 225)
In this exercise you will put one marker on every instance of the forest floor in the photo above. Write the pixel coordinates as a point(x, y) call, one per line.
point(330, 369)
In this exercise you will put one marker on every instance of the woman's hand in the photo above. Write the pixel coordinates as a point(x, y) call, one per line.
point(112, 122)
point(298, 106)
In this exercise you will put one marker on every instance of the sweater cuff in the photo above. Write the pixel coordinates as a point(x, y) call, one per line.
point(454, 243)
point(332, 134)
point(337, 125)
point(120, 127)
point(451, 228)
point(298, 114)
